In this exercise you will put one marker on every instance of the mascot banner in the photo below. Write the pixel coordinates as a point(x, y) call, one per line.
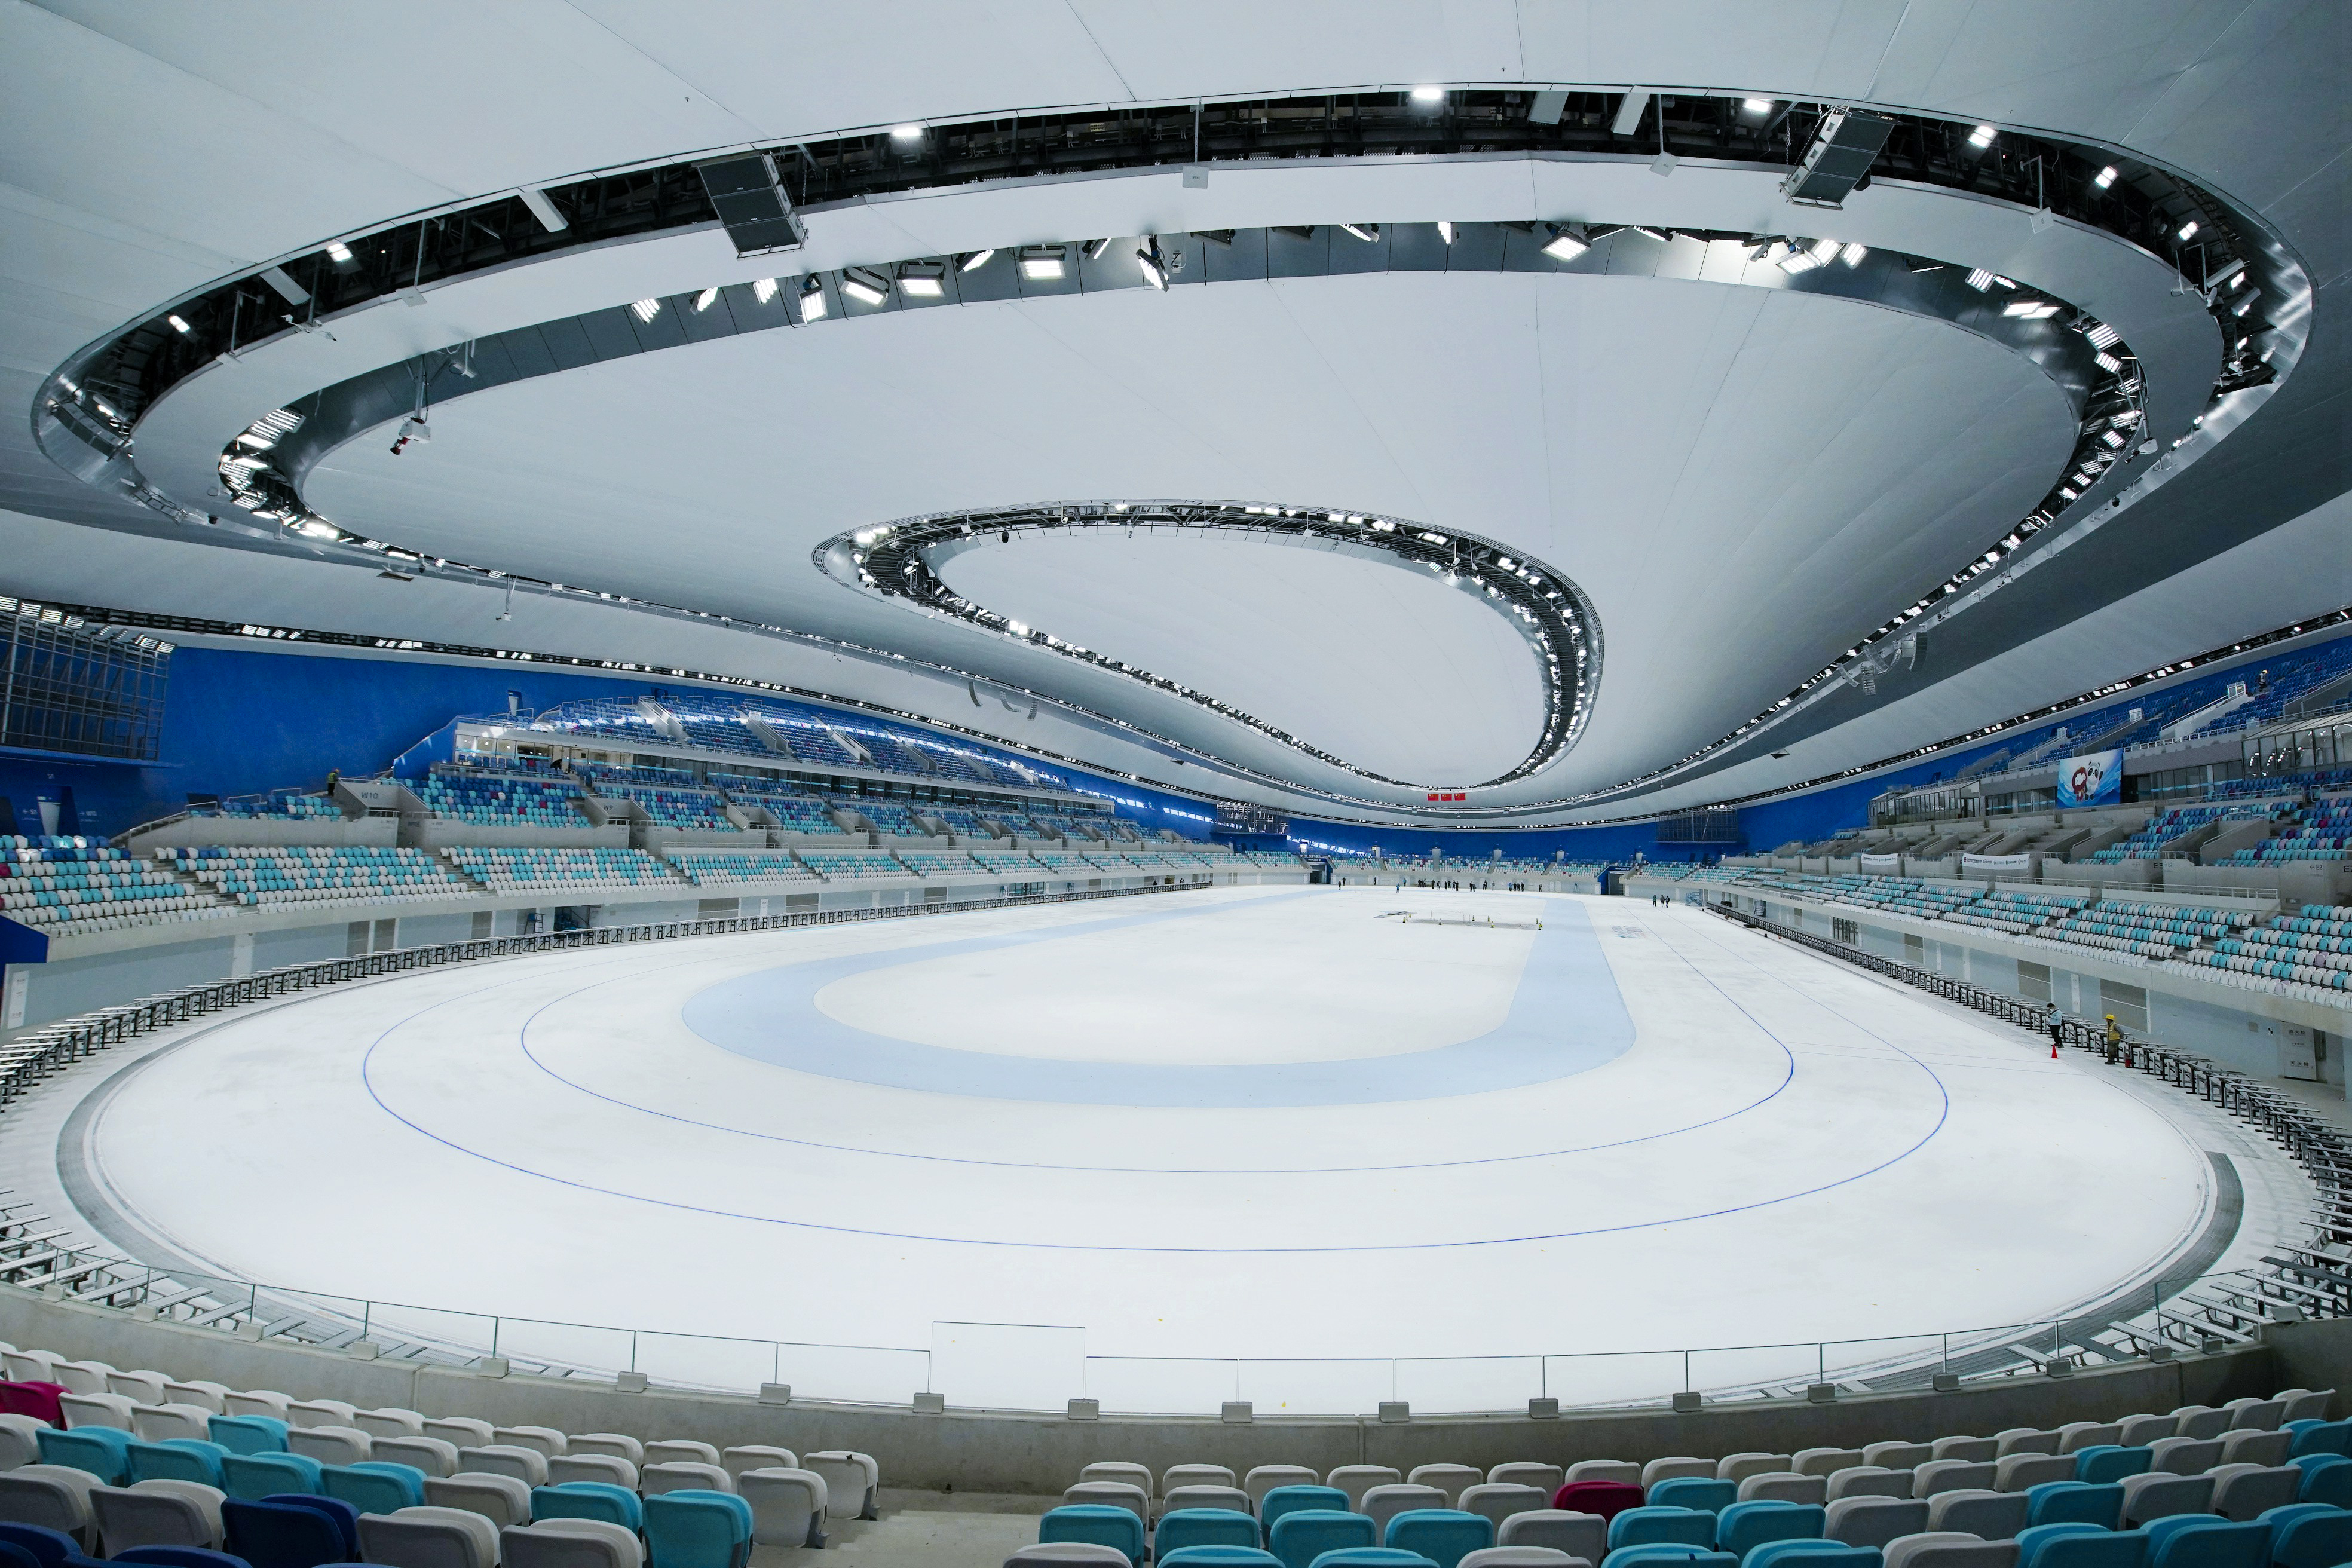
point(2096, 779)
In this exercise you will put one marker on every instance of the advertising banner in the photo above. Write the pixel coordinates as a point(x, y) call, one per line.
point(1996, 862)
point(2095, 778)
point(1880, 865)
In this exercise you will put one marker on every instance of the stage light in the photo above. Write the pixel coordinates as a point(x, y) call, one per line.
point(1155, 271)
point(2110, 364)
point(2113, 438)
point(1982, 136)
point(338, 252)
point(1370, 233)
point(2030, 309)
point(1565, 244)
point(2101, 336)
point(905, 133)
point(1445, 231)
point(1818, 254)
point(813, 306)
point(977, 259)
point(1757, 105)
point(1094, 247)
point(1041, 263)
point(646, 309)
point(2105, 177)
point(922, 280)
point(1979, 280)
point(866, 292)
point(2188, 230)
point(1853, 252)
point(179, 325)
point(704, 301)
point(1429, 95)
point(763, 290)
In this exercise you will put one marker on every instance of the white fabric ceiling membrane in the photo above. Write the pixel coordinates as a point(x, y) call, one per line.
point(1376, 662)
point(1777, 470)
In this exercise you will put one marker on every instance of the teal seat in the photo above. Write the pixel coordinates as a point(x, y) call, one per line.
point(1190, 1527)
point(1666, 1552)
point(2321, 1438)
point(178, 1460)
point(250, 1434)
point(1218, 1556)
point(2206, 1540)
point(1653, 1523)
point(1303, 1534)
point(607, 1500)
point(2327, 1477)
point(1099, 1524)
point(2309, 1535)
point(1745, 1526)
point(2074, 1544)
point(695, 1529)
point(2075, 1503)
point(1816, 1553)
point(2103, 1462)
point(253, 1477)
point(1694, 1491)
point(375, 1486)
point(103, 1451)
point(1443, 1535)
point(1290, 1499)
point(1370, 1557)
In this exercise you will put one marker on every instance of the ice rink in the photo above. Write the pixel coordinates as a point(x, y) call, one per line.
point(1246, 1142)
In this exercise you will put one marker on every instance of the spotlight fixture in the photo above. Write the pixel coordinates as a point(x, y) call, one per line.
point(646, 309)
point(1567, 243)
point(1818, 254)
point(2030, 309)
point(1445, 230)
point(2101, 336)
point(763, 290)
point(1982, 136)
point(1041, 263)
point(976, 259)
point(2109, 363)
point(2103, 178)
point(179, 325)
point(922, 280)
point(2188, 230)
point(1094, 247)
point(338, 252)
point(813, 306)
point(906, 133)
point(866, 289)
point(1153, 266)
point(1646, 233)
point(1979, 280)
point(1757, 105)
point(1429, 95)
point(1370, 233)
point(704, 301)
point(1853, 252)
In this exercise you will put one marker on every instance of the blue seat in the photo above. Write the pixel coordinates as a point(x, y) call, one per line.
point(2206, 1540)
point(102, 1451)
point(1443, 1535)
point(15, 1556)
point(177, 1459)
point(48, 1547)
point(698, 1528)
point(1203, 1527)
point(256, 1476)
point(1816, 1553)
point(178, 1557)
point(2309, 1535)
point(340, 1514)
point(1097, 1523)
point(1287, 1499)
point(282, 1534)
point(1694, 1491)
point(1745, 1526)
point(375, 1486)
point(1370, 1557)
point(1653, 1523)
point(2074, 1544)
point(2327, 1477)
point(2105, 1462)
point(250, 1434)
point(607, 1500)
point(2321, 1438)
point(1219, 1556)
point(1303, 1534)
point(2075, 1503)
point(1667, 1552)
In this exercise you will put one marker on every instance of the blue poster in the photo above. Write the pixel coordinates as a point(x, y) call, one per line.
point(2096, 779)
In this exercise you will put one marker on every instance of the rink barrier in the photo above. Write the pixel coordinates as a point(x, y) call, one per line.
point(2306, 1280)
point(34, 1055)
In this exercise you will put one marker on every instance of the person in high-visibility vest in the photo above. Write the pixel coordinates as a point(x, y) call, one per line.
point(2115, 1039)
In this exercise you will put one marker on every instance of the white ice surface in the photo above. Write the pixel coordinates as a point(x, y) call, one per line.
point(1791, 1150)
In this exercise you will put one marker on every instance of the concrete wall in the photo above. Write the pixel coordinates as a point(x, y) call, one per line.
point(981, 1451)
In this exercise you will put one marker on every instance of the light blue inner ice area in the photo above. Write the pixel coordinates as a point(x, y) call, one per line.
point(1566, 1018)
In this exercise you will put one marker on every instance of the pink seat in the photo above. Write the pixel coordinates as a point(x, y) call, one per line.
point(1607, 1498)
point(38, 1400)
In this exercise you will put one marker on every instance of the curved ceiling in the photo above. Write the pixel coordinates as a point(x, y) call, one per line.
point(1386, 667)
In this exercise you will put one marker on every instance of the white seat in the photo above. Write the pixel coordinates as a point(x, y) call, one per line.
point(1383, 1503)
point(458, 1431)
point(2139, 1431)
point(683, 1476)
point(1784, 1486)
point(1824, 1461)
point(501, 1499)
point(1949, 1549)
point(2185, 1455)
point(2243, 1492)
point(2158, 1494)
point(2024, 1440)
point(303, 1413)
point(620, 1445)
point(2200, 1421)
point(844, 1470)
point(162, 1423)
point(2075, 1436)
point(1620, 1470)
point(1553, 1477)
point(528, 1466)
point(1262, 1478)
point(207, 1500)
point(212, 1396)
point(680, 1451)
point(30, 1366)
point(128, 1517)
point(1450, 1478)
point(787, 1505)
point(736, 1461)
point(546, 1439)
point(96, 1410)
point(1517, 1557)
point(1874, 1520)
point(610, 1468)
point(2306, 1404)
point(391, 1422)
point(1063, 1553)
point(330, 1445)
point(429, 1537)
point(1110, 1494)
point(1898, 1456)
point(1868, 1481)
point(1183, 1498)
point(1497, 1500)
point(569, 1543)
point(1673, 1469)
point(1357, 1480)
point(81, 1376)
point(139, 1387)
point(434, 1456)
point(20, 1441)
point(1974, 1450)
point(1978, 1511)
point(2021, 1472)
point(2253, 1445)
point(1121, 1471)
point(55, 1496)
point(1739, 1467)
point(1176, 1476)
point(1580, 1535)
point(257, 1402)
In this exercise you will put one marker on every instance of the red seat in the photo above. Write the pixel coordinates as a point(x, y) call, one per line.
point(1607, 1498)
point(36, 1399)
